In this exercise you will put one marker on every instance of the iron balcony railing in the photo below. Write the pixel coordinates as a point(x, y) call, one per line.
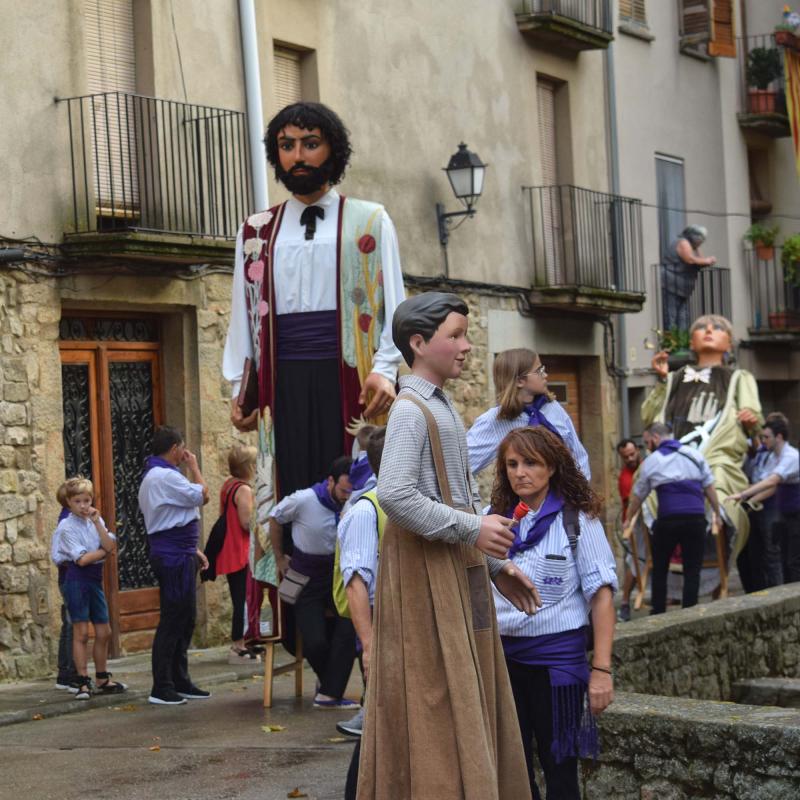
point(775, 303)
point(586, 239)
point(592, 13)
point(139, 163)
point(711, 294)
point(762, 87)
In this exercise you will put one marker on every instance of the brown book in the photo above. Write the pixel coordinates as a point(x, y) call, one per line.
point(248, 391)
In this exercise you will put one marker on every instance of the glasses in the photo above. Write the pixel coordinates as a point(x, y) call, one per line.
point(540, 371)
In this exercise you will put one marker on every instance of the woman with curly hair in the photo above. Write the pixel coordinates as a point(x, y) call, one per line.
point(560, 545)
point(520, 381)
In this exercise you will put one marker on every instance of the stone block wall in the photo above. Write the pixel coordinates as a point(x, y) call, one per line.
point(700, 652)
point(659, 748)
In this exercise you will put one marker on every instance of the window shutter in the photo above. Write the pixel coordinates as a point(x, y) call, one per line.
point(111, 67)
point(288, 84)
point(723, 40)
point(695, 21)
point(633, 11)
point(551, 209)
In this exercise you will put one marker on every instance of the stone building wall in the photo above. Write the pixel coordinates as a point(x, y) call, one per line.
point(702, 651)
point(31, 427)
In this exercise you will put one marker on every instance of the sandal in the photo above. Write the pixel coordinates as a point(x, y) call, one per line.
point(109, 687)
point(84, 688)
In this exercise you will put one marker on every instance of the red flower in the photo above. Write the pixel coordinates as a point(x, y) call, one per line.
point(366, 244)
point(364, 321)
point(520, 511)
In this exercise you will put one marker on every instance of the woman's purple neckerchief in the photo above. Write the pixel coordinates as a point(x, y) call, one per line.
point(360, 473)
point(564, 656)
point(151, 462)
point(324, 497)
point(548, 511)
point(535, 415)
point(667, 446)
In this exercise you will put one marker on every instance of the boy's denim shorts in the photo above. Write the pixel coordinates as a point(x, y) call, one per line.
point(85, 601)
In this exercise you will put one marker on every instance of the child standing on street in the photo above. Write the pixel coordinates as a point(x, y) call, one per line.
point(84, 542)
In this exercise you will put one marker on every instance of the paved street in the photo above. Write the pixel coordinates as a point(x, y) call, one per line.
point(205, 749)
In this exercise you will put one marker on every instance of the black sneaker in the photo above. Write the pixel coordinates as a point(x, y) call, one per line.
point(165, 697)
point(193, 693)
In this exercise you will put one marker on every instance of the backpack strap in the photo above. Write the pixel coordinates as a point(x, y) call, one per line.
point(572, 526)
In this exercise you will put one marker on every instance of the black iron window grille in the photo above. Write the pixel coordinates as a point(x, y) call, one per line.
point(761, 79)
point(711, 293)
point(583, 238)
point(775, 303)
point(139, 163)
point(592, 13)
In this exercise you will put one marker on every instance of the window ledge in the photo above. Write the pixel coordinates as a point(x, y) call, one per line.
point(689, 50)
point(636, 30)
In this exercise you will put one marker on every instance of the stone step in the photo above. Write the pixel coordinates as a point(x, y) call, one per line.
point(782, 692)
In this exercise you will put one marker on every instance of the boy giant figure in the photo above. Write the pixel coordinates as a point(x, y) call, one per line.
point(440, 717)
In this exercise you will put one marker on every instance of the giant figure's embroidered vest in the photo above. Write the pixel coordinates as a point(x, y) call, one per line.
point(360, 310)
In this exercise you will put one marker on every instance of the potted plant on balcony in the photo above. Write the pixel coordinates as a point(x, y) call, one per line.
point(763, 67)
point(791, 259)
point(676, 342)
point(785, 30)
point(762, 237)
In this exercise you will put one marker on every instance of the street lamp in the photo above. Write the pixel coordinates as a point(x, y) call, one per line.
point(465, 171)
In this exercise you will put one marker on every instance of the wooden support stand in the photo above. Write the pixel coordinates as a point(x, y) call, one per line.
point(271, 671)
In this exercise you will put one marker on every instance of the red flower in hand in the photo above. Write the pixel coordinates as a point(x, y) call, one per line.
point(520, 511)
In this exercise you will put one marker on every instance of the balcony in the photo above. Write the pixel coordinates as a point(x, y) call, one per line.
point(587, 250)
point(155, 180)
point(775, 303)
point(762, 87)
point(571, 25)
point(711, 295)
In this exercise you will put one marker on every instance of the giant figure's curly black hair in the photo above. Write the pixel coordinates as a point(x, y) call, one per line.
point(307, 116)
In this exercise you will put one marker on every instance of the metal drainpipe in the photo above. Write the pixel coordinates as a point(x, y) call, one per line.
point(613, 152)
point(255, 115)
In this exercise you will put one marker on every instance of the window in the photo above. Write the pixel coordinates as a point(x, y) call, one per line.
point(288, 76)
point(671, 193)
point(111, 68)
point(707, 26)
point(633, 11)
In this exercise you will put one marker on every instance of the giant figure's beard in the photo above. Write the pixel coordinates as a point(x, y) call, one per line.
point(314, 179)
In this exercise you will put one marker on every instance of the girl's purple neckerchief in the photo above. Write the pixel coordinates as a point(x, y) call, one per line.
point(535, 415)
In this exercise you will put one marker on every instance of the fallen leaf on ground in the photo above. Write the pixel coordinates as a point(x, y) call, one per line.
point(128, 707)
point(296, 793)
point(337, 739)
point(38, 716)
point(272, 728)
point(155, 748)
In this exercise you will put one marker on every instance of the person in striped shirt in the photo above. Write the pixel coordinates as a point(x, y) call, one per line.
point(559, 543)
point(520, 381)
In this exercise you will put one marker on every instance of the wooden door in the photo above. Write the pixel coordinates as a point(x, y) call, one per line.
point(564, 382)
point(112, 400)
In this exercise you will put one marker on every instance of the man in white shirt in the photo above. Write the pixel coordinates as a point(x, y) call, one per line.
point(169, 504)
point(329, 641)
point(780, 475)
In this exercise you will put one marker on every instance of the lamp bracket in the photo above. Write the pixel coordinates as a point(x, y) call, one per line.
point(443, 219)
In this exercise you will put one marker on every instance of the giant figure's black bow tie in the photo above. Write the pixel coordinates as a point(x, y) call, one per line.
point(309, 219)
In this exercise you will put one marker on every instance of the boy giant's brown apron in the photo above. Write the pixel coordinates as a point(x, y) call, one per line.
point(440, 716)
